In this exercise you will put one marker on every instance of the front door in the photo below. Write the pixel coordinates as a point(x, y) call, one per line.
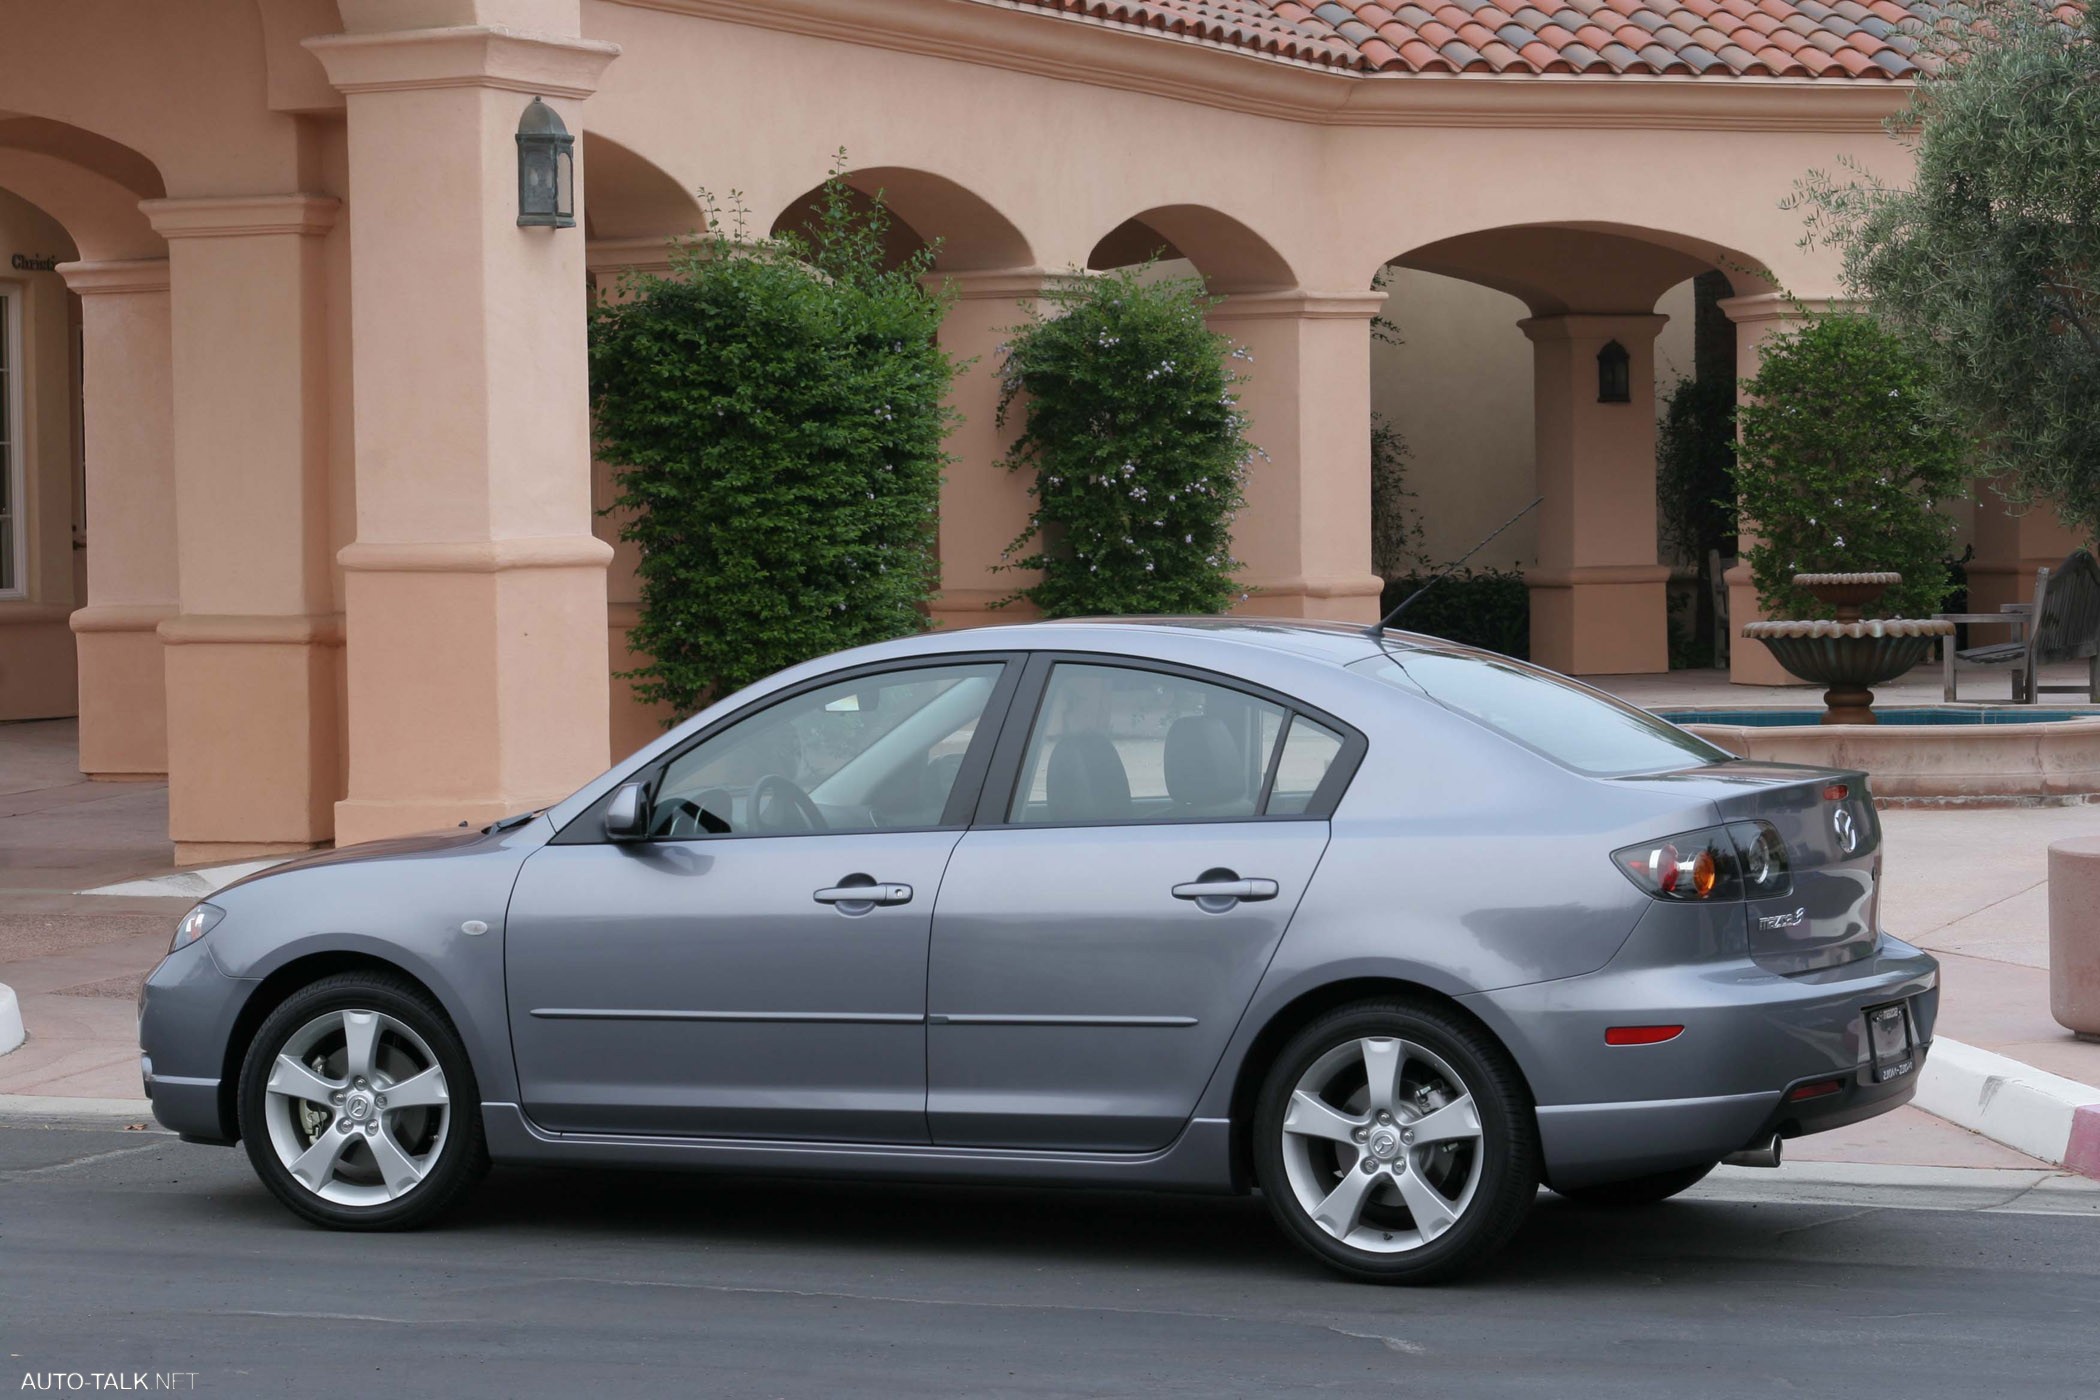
point(1098, 941)
point(758, 967)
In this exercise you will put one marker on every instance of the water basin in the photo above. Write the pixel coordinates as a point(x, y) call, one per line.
point(1927, 755)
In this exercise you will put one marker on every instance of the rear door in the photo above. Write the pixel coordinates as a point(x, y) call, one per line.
point(1147, 834)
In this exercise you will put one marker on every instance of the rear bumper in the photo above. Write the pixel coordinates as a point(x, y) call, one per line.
point(1750, 1038)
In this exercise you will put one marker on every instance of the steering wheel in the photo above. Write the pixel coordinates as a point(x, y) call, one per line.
point(698, 815)
point(767, 795)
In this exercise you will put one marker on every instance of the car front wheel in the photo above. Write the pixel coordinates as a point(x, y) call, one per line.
point(1397, 1142)
point(358, 1105)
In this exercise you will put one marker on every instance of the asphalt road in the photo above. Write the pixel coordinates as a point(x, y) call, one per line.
point(126, 1252)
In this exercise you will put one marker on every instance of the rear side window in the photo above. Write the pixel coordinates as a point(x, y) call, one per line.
point(1575, 727)
point(1309, 751)
point(1117, 744)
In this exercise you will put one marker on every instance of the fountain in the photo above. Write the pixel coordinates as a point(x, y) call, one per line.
point(1851, 655)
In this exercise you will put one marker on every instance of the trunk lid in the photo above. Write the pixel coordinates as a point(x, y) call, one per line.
point(1831, 914)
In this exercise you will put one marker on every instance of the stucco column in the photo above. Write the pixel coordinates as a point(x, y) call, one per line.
point(253, 764)
point(1599, 599)
point(1305, 536)
point(984, 507)
point(475, 590)
point(128, 412)
point(632, 723)
point(2009, 548)
point(1758, 318)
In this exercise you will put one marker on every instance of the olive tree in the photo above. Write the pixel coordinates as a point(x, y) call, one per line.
point(1987, 263)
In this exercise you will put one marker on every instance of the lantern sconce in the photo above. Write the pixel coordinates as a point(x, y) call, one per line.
point(1614, 374)
point(546, 169)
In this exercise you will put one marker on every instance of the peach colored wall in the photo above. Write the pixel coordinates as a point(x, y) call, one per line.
point(476, 602)
point(379, 426)
point(128, 411)
point(37, 676)
point(1458, 388)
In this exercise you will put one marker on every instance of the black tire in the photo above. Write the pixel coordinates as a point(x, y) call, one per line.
point(1640, 1190)
point(459, 1162)
point(1508, 1145)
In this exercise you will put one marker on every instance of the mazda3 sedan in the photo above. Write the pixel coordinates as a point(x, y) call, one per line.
point(1393, 930)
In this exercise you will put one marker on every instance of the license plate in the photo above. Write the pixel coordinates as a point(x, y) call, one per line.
point(1889, 1041)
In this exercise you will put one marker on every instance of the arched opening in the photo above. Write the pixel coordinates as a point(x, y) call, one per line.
point(967, 233)
point(629, 198)
point(1229, 256)
point(87, 554)
point(1536, 360)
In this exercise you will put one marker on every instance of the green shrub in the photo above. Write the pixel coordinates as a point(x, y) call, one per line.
point(1136, 440)
point(1396, 526)
point(1488, 608)
point(1843, 465)
point(1694, 469)
point(776, 409)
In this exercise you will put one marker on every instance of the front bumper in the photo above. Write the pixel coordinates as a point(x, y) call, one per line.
point(1609, 1113)
point(187, 1010)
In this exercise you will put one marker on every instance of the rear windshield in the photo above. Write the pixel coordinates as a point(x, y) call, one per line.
point(1578, 728)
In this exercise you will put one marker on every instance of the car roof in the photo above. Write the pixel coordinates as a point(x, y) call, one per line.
point(1338, 643)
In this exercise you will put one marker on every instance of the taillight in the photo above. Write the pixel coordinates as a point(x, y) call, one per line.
point(1718, 864)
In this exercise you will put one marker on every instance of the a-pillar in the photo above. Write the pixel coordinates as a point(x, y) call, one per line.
point(984, 507)
point(2009, 549)
point(253, 757)
point(1305, 535)
point(632, 722)
point(1758, 317)
point(1599, 599)
point(475, 590)
point(128, 411)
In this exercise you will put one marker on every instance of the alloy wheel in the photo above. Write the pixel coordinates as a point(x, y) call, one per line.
point(357, 1107)
point(1381, 1145)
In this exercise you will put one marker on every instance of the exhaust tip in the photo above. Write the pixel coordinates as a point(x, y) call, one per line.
point(1765, 1154)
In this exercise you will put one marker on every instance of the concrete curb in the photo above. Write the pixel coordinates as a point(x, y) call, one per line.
point(2030, 1110)
point(42, 1108)
point(11, 1034)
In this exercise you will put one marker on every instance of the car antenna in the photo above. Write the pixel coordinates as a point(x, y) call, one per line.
point(1377, 629)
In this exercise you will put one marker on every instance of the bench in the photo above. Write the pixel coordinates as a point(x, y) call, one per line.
point(2061, 624)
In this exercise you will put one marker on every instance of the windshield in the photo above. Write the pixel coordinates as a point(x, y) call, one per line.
point(1574, 726)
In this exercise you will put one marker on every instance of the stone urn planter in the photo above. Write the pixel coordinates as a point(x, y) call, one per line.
point(1852, 655)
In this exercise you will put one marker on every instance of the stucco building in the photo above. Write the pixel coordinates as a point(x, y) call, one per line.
point(299, 494)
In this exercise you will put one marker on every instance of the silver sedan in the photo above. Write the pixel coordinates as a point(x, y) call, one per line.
point(1393, 930)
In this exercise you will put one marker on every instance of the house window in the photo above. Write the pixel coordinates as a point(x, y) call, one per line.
point(1614, 374)
point(11, 534)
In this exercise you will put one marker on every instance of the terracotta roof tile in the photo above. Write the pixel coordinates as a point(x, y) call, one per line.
point(1830, 39)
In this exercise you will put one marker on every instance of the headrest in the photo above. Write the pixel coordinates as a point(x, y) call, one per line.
point(1203, 763)
point(1086, 781)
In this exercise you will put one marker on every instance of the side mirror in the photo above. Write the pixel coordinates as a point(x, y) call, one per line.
point(627, 815)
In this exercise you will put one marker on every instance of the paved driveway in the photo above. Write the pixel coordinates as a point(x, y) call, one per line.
point(128, 1252)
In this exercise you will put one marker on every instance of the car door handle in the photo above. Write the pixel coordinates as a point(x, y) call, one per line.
point(1226, 889)
point(864, 894)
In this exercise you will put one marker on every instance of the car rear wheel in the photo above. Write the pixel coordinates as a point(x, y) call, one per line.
point(1640, 1190)
point(1396, 1141)
point(358, 1105)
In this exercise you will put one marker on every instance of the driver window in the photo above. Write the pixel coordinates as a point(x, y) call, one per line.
point(877, 753)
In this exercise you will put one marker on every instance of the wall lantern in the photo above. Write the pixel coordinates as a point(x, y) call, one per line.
point(1614, 371)
point(546, 169)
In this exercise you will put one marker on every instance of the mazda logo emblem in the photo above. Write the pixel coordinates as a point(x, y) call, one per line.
point(1847, 830)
